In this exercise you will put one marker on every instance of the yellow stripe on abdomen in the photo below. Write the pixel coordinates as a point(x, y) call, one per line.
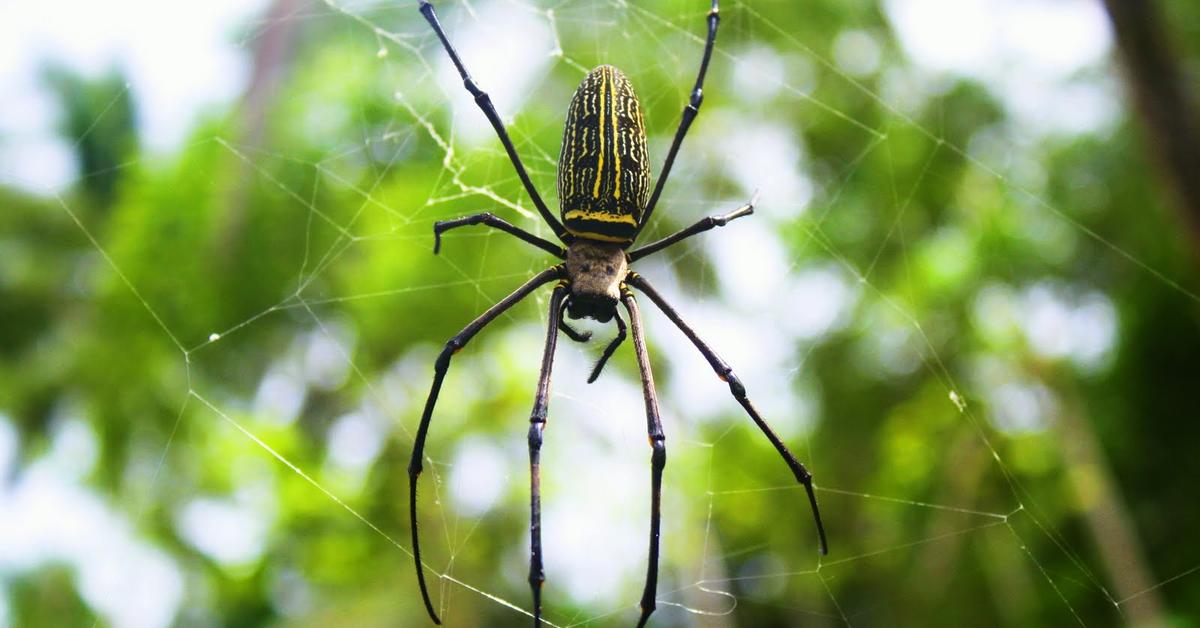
point(616, 142)
point(600, 164)
point(600, 216)
point(603, 237)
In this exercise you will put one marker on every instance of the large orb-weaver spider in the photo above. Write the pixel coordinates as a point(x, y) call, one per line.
point(603, 185)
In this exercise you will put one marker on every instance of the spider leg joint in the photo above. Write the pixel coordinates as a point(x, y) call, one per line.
point(735, 384)
point(535, 434)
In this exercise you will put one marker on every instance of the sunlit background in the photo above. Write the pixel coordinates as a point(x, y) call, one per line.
point(967, 300)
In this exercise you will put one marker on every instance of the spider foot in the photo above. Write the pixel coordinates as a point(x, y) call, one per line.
point(574, 334)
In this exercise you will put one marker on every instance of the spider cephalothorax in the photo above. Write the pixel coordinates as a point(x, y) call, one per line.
point(604, 187)
point(595, 272)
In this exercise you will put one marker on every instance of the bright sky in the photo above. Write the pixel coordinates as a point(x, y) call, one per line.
point(183, 57)
point(1028, 51)
point(180, 57)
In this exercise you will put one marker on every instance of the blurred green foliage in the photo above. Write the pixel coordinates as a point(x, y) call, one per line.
point(216, 268)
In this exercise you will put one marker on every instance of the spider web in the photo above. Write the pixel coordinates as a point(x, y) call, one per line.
point(768, 292)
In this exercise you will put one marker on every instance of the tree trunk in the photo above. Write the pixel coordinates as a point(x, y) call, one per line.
point(1170, 125)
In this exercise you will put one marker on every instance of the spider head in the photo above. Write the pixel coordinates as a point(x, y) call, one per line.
point(595, 271)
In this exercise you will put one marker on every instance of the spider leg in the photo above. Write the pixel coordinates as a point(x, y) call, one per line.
point(439, 373)
point(658, 456)
point(537, 424)
point(704, 224)
point(491, 220)
point(485, 104)
point(574, 334)
point(608, 351)
point(689, 113)
point(739, 392)
point(571, 332)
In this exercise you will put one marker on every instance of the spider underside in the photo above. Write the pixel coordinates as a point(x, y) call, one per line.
point(604, 179)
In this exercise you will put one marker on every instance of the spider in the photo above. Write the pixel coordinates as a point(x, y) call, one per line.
point(606, 201)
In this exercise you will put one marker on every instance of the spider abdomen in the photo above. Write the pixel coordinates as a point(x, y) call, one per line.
point(603, 172)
